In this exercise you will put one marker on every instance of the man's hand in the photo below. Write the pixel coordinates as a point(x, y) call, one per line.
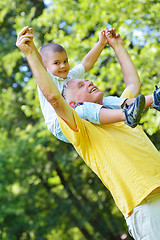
point(25, 40)
point(113, 38)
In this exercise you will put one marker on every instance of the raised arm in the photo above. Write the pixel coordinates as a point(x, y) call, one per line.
point(43, 79)
point(28, 32)
point(130, 74)
point(93, 55)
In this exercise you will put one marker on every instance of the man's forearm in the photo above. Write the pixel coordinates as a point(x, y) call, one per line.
point(130, 74)
point(39, 56)
point(41, 76)
point(50, 90)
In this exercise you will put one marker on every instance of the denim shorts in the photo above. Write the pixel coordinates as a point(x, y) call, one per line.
point(144, 222)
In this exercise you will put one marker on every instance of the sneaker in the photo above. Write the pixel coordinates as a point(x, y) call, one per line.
point(156, 99)
point(134, 111)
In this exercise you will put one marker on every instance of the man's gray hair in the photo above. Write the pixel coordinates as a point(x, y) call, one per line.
point(64, 91)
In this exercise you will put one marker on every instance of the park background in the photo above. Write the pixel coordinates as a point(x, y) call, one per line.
point(46, 190)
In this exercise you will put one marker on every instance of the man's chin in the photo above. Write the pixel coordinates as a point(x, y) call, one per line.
point(99, 98)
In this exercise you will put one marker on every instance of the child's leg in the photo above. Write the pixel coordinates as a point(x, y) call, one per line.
point(134, 111)
point(131, 114)
point(148, 101)
point(107, 116)
point(152, 100)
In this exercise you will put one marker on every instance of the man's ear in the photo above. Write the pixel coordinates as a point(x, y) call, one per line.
point(72, 104)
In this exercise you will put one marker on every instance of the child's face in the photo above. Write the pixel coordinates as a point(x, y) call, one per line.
point(57, 64)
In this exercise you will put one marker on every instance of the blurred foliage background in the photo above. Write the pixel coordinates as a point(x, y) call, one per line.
point(46, 191)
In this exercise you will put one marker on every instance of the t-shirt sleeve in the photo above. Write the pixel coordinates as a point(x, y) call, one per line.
point(89, 111)
point(113, 102)
point(127, 94)
point(77, 72)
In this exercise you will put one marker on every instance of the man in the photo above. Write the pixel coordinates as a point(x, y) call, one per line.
point(123, 158)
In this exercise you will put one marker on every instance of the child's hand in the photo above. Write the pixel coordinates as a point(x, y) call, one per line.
point(102, 38)
point(25, 40)
point(113, 38)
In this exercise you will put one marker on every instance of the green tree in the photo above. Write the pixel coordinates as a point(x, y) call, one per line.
point(46, 191)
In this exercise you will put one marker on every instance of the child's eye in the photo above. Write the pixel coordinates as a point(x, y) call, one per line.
point(81, 85)
point(57, 63)
point(66, 61)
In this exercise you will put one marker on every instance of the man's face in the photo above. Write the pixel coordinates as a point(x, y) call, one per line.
point(82, 90)
point(57, 64)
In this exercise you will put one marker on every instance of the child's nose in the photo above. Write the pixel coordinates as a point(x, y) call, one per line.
point(62, 65)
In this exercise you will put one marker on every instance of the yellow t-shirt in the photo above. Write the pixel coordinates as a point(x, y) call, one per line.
point(124, 158)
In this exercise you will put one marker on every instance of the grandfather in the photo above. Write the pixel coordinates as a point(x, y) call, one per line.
point(123, 158)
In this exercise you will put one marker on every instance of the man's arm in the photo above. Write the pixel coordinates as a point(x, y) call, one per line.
point(43, 79)
point(130, 75)
point(93, 55)
point(30, 31)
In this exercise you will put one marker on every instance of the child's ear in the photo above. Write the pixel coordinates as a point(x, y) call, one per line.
point(72, 104)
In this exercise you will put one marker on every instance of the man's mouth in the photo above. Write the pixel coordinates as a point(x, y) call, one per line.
point(93, 89)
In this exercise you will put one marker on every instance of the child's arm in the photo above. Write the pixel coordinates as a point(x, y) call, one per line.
point(97, 114)
point(130, 75)
point(93, 55)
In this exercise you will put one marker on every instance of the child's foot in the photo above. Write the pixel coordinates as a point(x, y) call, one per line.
point(134, 111)
point(156, 99)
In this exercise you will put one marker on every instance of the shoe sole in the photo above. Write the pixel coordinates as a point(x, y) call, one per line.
point(141, 105)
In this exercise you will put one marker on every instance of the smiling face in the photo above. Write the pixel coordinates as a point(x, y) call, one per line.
point(82, 90)
point(57, 64)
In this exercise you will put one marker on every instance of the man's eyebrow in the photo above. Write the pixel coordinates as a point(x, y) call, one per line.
point(79, 83)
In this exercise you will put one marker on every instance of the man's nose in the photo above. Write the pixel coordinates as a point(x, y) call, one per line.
point(89, 83)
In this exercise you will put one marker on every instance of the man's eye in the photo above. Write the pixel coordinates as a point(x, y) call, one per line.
point(81, 85)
